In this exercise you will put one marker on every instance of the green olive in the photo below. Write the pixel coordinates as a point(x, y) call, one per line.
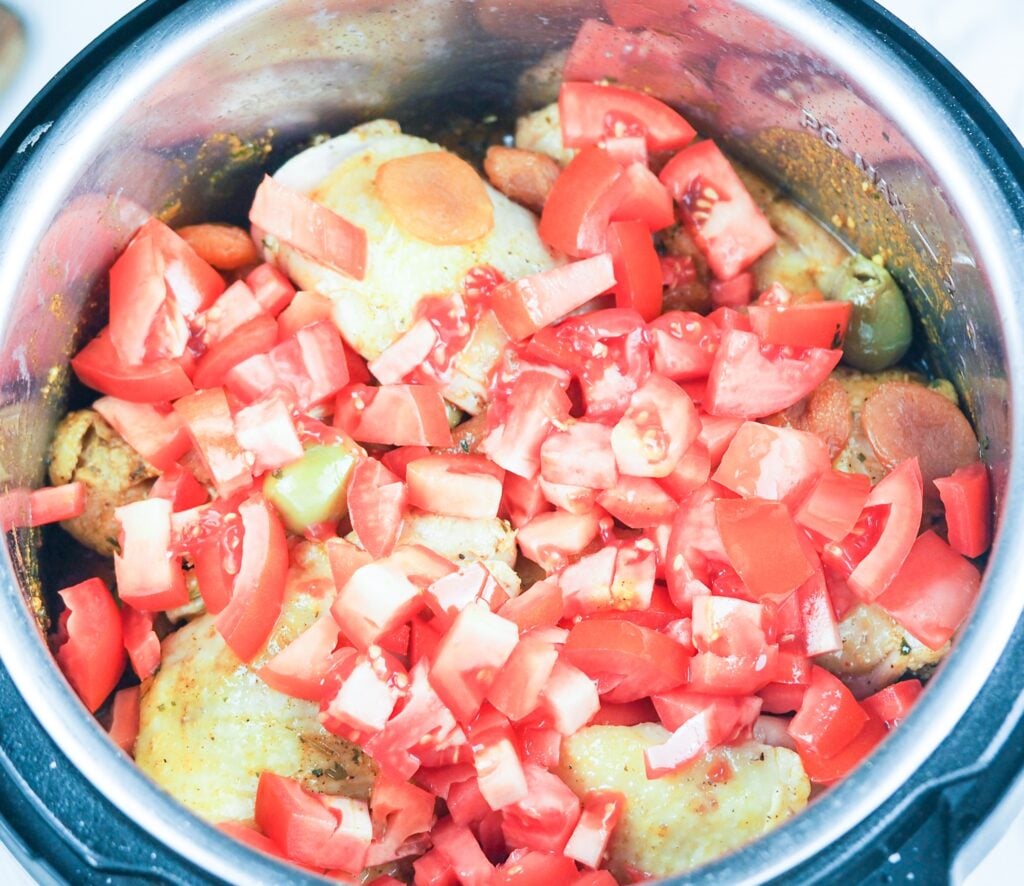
point(313, 489)
point(880, 326)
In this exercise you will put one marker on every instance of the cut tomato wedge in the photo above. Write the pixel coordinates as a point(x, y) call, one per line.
point(967, 500)
point(258, 589)
point(397, 415)
point(580, 206)
point(636, 267)
point(99, 366)
point(91, 653)
point(377, 502)
point(658, 427)
point(207, 416)
point(309, 227)
point(456, 485)
point(591, 112)
point(717, 209)
point(149, 576)
point(751, 380)
point(808, 325)
point(156, 433)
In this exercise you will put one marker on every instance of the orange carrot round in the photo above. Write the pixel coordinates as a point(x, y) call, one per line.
point(226, 247)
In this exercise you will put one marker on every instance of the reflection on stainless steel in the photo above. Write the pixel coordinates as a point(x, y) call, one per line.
point(197, 108)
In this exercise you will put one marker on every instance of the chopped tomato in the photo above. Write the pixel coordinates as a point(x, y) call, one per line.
point(366, 693)
point(554, 538)
point(319, 830)
point(156, 433)
point(932, 592)
point(298, 670)
point(580, 206)
point(460, 849)
point(590, 112)
point(751, 380)
point(826, 770)
point(258, 589)
point(636, 268)
point(732, 674)
point(181, 488)
point(968, 503)
point(638, 502)
point(627, 661)
point(434, 869)
point(405, 354)
point(762, 544)
point(657, 428)
point(252, 338)
point(540, 604)
point(778, 464)
point(717, 209)
point(469, 657)
point(732, 293)
point(589, 841)
point(809, 325)
point(645, 199)
point(901, 490)
point(829, 717)
point(400, 810)
point(273, 290)
point(525, 868)
point(570, 699)
point(834, 504)
point(149, 576)
point(516, 691)
point(310, 227)
point(892, 704)
point(377, 502)
point(581, 455)
point(124, 719)
point(499, 770)
point(448, 595)
point(305, 309)
point(727, 626)
point(207, 416)
point(456, 485)
point(684, 345)
point(546, 818)
point(537, 403)
point(525, 305)
point(91, 647)
point(39, 507)
point(155, 286)
point(140, 641)
point(397, 415)
point(234, 307)
point(711, 721)
point(375, 600)
point(99, 366)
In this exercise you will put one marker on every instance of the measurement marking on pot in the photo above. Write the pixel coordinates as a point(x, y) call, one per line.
point(827, 133)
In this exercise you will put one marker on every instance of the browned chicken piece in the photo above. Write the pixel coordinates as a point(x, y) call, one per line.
point(87, 449)
point(524, 176)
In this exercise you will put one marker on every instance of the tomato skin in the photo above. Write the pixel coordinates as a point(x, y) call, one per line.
point(309, 227)
point(892, 704)
point(590, 112)
point(181, 488)
point(967, 499)
point(630, 661)
point(748, 380)
point(719, 212)
point(93, 657)
point(808, 325)
point(826, 770)
point(763, 546)
point(645, 199)
point(778, 464)
point(636, 267)
point(99, 366)
point(530, 303)
point(933, 591)
point(377, 502)
point(255, 337)
point(578, 209)
point(902, 491)
point(258, 589)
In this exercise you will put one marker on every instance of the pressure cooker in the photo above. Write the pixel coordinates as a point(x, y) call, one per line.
point(182, 106)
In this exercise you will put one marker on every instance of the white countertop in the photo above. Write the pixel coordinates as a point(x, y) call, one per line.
point(983, 38)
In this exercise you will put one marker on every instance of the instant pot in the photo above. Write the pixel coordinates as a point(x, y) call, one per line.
point(180, 108)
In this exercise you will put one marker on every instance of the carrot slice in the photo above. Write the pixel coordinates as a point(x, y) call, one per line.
point(224, 246)
point(436, 197)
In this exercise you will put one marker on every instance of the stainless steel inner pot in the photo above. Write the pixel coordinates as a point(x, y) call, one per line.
point(181, 108)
